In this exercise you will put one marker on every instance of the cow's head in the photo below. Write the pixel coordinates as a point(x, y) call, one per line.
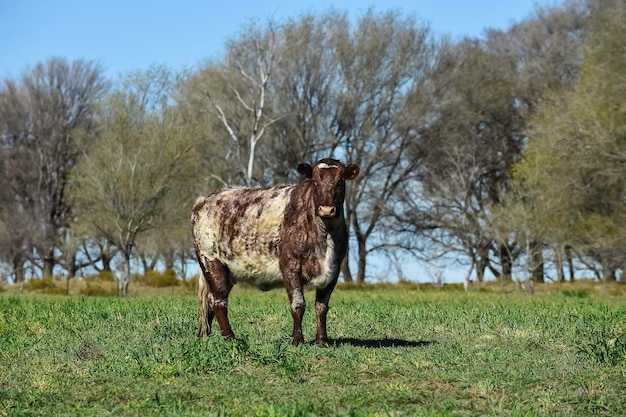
point(329, 191)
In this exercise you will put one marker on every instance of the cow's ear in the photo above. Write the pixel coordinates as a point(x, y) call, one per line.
point(350, 172)
point(305, 170)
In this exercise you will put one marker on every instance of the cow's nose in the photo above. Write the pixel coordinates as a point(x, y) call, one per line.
point(326, 211)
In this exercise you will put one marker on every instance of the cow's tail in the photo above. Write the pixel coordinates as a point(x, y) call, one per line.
point(205, 299)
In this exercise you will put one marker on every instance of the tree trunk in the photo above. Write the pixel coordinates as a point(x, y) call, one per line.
point(538, 273)
point(362, 252)
point(72, 266)
point(608, 274)
point(106, 262)
point(345, 270)
point(570, 263)
point(481, 264)
point(18, 269)
point(169, 257)
point(466, 280)
point(480, 269)
point(124, 279)
point(558, 264)
point(506, 262)
point(48, 264)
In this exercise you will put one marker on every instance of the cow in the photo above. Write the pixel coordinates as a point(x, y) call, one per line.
point(289, 235)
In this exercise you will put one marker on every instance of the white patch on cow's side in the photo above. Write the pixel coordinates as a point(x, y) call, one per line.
point(324, 165)
point(260, 271)
point(329, 266)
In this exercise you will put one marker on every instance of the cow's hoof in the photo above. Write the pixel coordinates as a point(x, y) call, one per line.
point(297, 341)
point(322, 342)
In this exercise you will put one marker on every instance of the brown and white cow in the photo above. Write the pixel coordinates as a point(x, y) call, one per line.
point(292, 235)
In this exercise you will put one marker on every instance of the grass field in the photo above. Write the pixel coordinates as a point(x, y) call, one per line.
point(395, 352)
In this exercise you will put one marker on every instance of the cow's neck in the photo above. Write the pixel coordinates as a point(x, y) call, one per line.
point(332, 227)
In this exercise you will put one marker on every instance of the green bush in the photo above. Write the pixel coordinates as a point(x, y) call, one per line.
point(99, 289)
point(159, 279)
point(190, 284)
point(45, 286)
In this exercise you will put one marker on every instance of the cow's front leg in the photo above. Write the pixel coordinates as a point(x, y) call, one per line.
point(293, 284)
point(322, 297)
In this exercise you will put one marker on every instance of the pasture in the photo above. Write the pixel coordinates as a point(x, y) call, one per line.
point(394, 351)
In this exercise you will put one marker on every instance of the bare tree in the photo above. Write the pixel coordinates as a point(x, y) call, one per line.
point(242, 102)
point(40, 114)
point(382, 62)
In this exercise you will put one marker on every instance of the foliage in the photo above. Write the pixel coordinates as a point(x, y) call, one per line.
point(98, 289)
point(159, 279)
point(319, 86)
point(393, 352)
point(570, 184)
point(135, 176)
point(45, 286)
point(101, 276)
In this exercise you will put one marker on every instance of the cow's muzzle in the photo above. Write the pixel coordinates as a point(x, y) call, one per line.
point(327, 212)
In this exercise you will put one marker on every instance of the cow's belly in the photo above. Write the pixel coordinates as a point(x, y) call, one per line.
point(262, 272)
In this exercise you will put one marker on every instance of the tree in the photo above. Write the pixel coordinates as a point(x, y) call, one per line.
point(330, 87)
point(382, 62)
point(572, 175)
point(238, 93)
point(40, 116)
point(481, 95)
point(138, 166)
point(468, 140)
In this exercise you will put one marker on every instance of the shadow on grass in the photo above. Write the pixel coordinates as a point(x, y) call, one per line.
point(379, 343)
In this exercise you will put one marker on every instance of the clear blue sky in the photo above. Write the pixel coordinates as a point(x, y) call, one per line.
point(128, 35)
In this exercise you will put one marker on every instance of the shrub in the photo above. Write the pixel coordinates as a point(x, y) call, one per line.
point(575, 293)
point(46, 286)
point(190, 284)
point(99, 289)
point(158, 279)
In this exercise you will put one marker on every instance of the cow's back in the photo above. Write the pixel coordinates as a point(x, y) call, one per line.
point(240, 228)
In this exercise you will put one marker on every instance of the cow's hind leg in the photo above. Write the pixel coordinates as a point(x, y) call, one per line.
point(205, 299)
point(219, 286)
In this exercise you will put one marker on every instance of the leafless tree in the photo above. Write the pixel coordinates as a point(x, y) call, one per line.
point(40, 114)
point(382, 65)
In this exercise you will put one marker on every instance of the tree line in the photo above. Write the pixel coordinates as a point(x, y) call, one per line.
point(505, 153)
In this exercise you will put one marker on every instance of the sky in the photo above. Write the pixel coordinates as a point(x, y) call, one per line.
point(126, 35)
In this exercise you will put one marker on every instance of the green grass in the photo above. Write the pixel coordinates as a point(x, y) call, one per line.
point(395, 352)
